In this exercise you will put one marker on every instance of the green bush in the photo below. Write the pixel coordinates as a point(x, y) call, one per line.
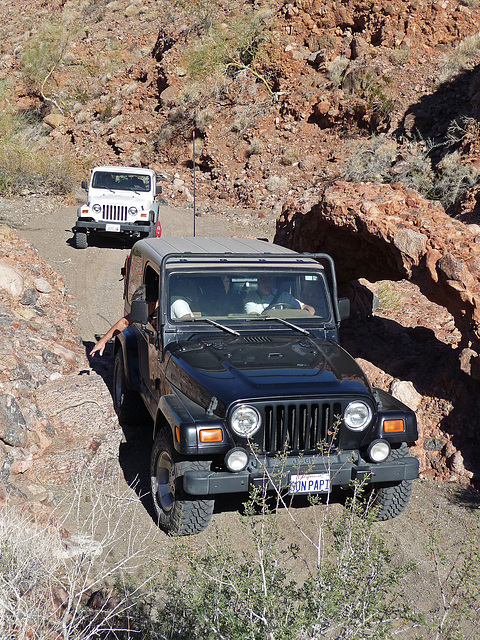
point(44, 52)
point(231, 49)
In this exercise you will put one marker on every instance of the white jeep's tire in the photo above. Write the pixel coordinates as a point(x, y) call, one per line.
point(81, 240)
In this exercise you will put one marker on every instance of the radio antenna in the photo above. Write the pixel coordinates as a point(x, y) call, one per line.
point(194, 189)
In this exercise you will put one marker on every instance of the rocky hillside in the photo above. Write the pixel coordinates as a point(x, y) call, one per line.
point(279, 94)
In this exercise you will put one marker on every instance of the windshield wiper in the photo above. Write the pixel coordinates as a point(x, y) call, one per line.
point(214, 324)
point(285, 322)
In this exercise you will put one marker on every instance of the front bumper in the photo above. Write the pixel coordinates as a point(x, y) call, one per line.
point(275, 474)
point(125, 227)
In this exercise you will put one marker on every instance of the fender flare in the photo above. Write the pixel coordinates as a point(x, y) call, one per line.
point(127, 342)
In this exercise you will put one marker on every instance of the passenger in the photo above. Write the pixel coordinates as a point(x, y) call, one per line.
point(266, 297)
point(314, 295)
point(183, 293)
point(123, 323)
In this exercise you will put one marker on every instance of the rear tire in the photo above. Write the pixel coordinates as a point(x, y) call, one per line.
point(178, 512)
point(81, 240)
point(128, 404)
point(392, 499)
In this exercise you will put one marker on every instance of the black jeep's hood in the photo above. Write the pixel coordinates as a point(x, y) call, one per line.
point(258, 367)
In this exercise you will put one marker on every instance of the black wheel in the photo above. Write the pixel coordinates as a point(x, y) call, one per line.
point(178, 512)
point(128, 404)
point(81, 240)
point(392, 499)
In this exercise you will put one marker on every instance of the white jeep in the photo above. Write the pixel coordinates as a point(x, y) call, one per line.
point(120, 200)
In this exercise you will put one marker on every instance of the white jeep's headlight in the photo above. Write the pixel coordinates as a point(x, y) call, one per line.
point(97, 208)
point(132, 211)
point(245, 420)
point(357, 415)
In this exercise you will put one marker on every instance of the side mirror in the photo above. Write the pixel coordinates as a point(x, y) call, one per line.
point(344, 308)
point(139, 311)
point(158, 190)
point(84, 184)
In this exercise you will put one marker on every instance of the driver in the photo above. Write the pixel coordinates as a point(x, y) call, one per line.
point(266, 296)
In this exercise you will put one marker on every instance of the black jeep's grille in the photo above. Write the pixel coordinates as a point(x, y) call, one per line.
point(298, 426)
point(114, 213)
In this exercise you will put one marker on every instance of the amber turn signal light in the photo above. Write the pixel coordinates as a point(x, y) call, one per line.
point(177, 434)
point(393, 426)
point(211, 435)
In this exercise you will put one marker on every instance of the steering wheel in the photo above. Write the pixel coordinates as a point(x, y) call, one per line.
point(278, 306)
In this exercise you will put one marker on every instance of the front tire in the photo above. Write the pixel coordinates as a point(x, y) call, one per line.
point(390, 500)
point(178, 512)
point(128, 404)
point(81, 240)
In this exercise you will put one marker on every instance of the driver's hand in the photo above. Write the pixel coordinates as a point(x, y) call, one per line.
point(309, 308)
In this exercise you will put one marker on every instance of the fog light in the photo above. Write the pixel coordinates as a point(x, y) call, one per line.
point(379, 450)
point(236, 459)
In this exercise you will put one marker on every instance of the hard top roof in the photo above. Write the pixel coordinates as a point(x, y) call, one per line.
point(120, 169)
point(201, 248)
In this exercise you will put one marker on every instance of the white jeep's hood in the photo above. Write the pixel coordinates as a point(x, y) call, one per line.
point(127, 198)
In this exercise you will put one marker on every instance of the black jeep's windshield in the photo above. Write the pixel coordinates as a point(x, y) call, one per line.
point(291, 294)
point(120, 181)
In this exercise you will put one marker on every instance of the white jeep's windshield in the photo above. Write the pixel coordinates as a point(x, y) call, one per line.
point(120, 181)
point(289, 294)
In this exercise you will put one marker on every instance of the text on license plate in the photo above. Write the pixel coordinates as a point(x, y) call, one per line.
point(112, 227)
point(310, 483)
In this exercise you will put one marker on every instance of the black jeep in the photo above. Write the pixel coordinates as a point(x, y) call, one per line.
point(233, 350)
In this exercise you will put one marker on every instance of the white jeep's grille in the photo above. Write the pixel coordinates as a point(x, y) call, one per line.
point(114, 212)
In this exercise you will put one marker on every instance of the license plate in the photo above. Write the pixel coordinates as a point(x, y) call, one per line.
point(112, 227)
point(310, 483)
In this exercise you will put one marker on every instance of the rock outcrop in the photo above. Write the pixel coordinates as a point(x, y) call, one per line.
point(383, 232)
point(56, 414)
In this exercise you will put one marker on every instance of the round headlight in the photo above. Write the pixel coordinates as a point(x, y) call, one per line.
point(245, 420)
point(236, 459)
point(379, 450)
point(97, 208)
point(357, 415)
point(132, 211)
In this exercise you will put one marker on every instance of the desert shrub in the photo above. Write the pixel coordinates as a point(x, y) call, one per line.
point(370, 160)
point(27, 170)
point(43, 53)
point(456, 60)
point(290, 156)
point(388, 298)
point(47, 588)
point(201, 13)
point(399, 57)
point(458, 585)
point(453, 179)
point(379, 159)
point(221, 593)
point(203, 118)
point(231, 49)
point(336, 69)
point(256, 147)
point(277, 184)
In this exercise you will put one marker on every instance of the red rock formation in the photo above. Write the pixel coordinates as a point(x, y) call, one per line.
point(383, 232)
